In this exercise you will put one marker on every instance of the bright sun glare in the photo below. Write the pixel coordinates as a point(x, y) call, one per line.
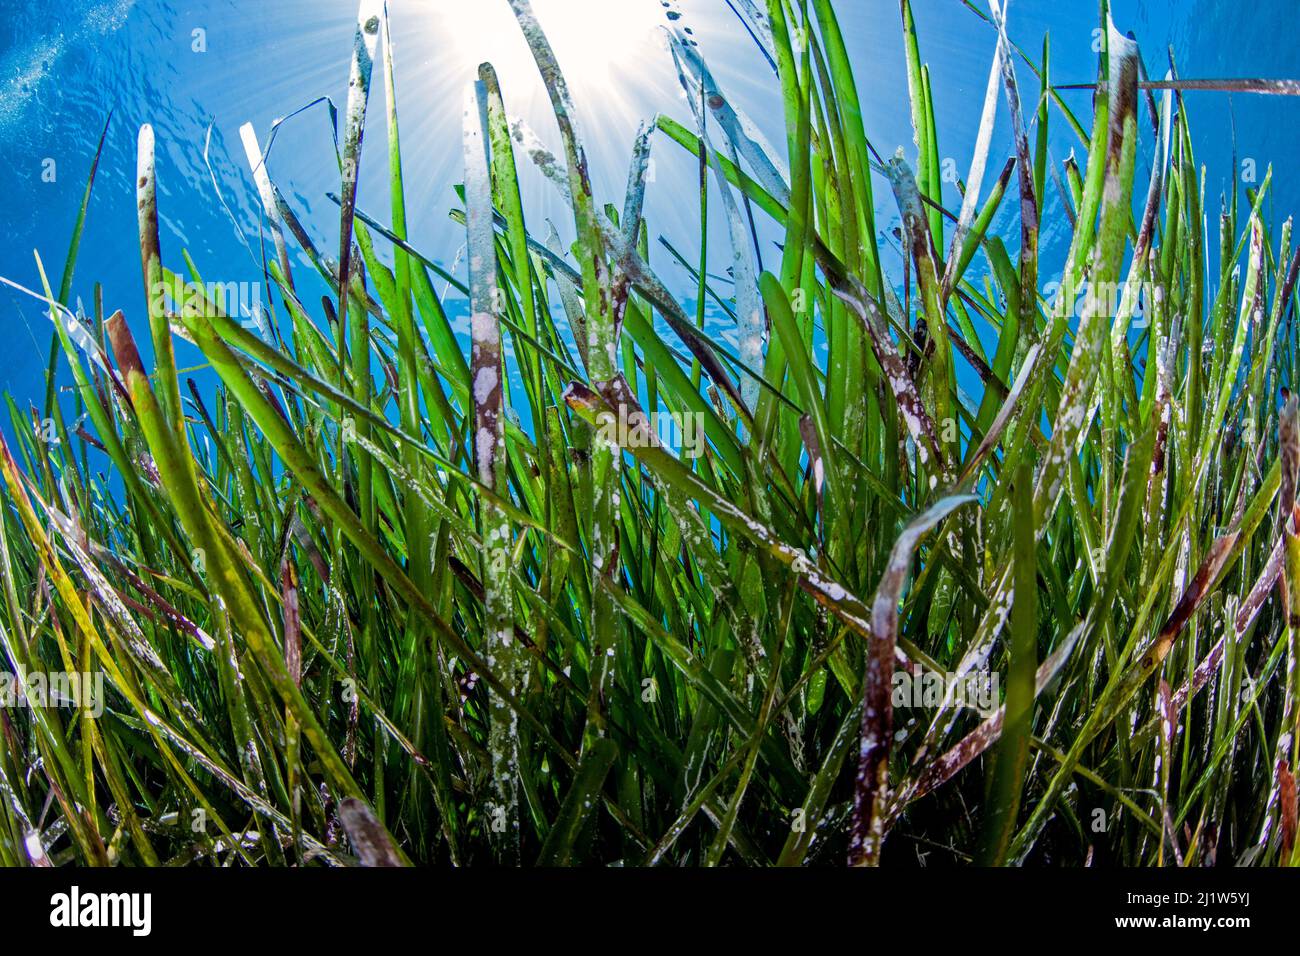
point(596, 41)
point(613, 54)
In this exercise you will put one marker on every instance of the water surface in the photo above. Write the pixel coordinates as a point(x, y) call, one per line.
point(187, 67)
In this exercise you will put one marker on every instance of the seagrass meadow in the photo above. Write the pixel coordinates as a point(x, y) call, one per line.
point(363, 596)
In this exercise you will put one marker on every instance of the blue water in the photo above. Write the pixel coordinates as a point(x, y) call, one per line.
point(64, 66)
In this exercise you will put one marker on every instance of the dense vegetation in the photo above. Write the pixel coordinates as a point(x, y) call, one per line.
point(375, 599)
